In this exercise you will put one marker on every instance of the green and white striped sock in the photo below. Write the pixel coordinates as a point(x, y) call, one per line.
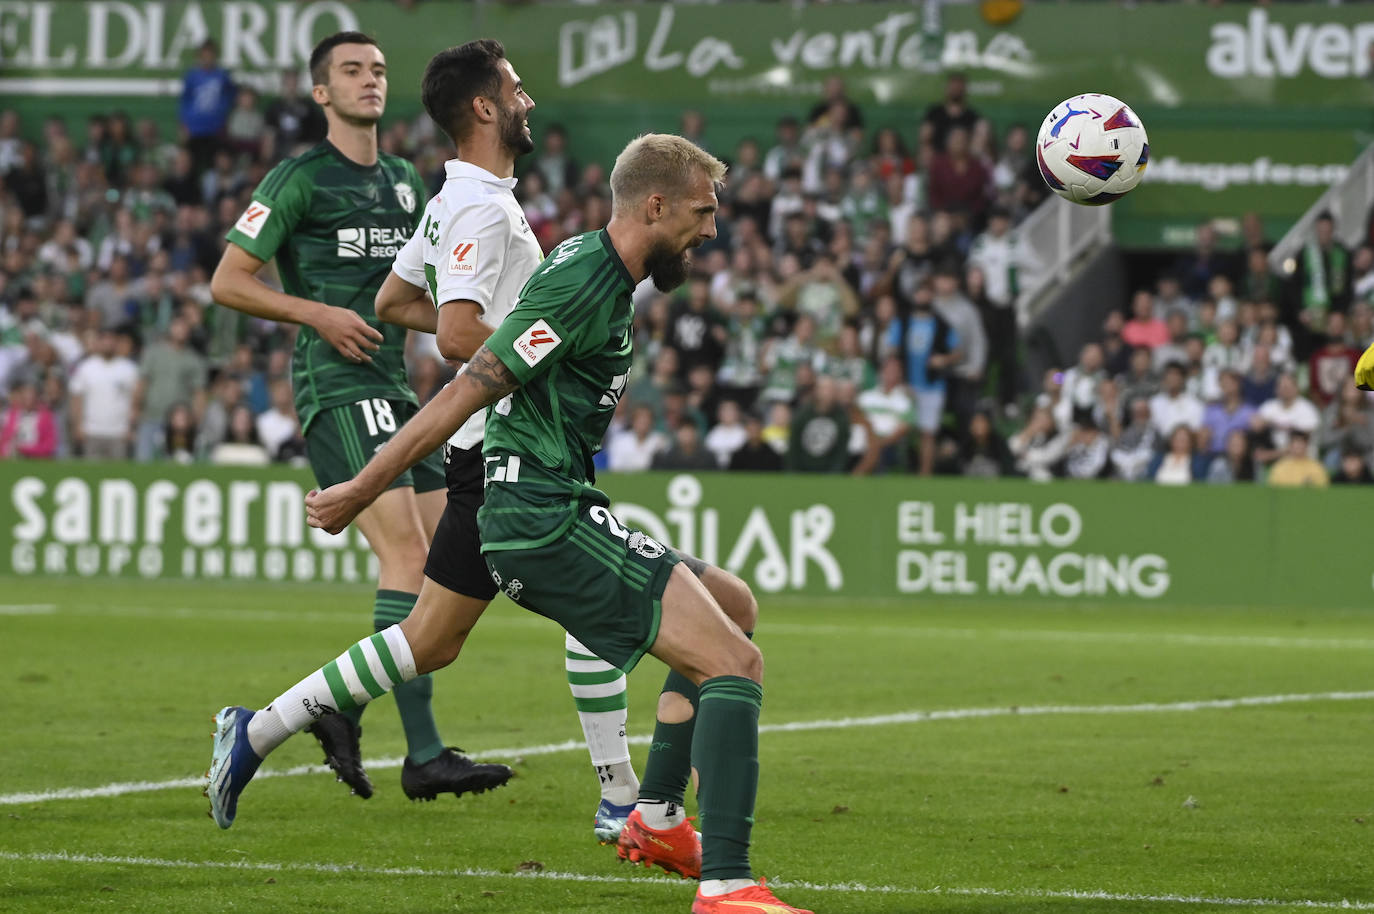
point(367, 670)
point(599, 692)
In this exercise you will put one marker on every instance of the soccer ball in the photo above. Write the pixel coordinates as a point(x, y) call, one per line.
point(1092, 149)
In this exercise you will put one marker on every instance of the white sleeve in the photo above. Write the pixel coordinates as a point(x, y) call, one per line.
point(472, 254)
point(77, 385)
point(410, 260)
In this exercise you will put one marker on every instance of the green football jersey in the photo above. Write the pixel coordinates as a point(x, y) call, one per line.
point(334, 227)
point(569, 343)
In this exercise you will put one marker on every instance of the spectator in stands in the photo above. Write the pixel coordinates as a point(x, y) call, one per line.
point(1088, 449)
point(170, 371)
point(952, 113)
point(1262, 379)
point(819, 437)
point(1222, 355)
point(786, 156)
point(1228, 413)
point(1175, 348)
point(1144, 329)
point(822, 293)
point(246, 126)
point(755, 455)
point(1347, 423)
point(956, 181)
point(634, 448)
point(728, 434)
point(179, 434)
point(207, 92)
point(966, 371)
point(1080, 383)
point(240, 446)
point(1329, 368)
point(1039, 447)
point(784, 357)
point(889, 410)
point(696, 329)
point(1297, 467)
point(559, 169)
point(1235, 463)
point(982, 451)
point(1258, 283)
point(686, 452)
point(1323, 275)
point(836, 98)
point(28, 427)
point(1001, 260)
point(278, 428)
point(1288, 412)
point(1180, 464)
point(1140, 381)
point(1197, 270)
point(292, 119)
point(1134, 448)
point(103, 409)
point(1173, 405)
point(1353, 469)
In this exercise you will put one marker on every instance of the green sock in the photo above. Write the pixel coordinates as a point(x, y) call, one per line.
point(725, 750)
point(669, 766)
point(413, 699)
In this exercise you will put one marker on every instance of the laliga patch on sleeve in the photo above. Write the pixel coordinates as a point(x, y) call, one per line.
point(253, 219)
point(536, 342)
point(462, 260)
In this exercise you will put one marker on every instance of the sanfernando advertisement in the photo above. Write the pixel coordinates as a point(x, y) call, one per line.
point(840, 536)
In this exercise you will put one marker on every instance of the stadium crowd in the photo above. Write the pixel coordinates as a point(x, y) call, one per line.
point(856, 313)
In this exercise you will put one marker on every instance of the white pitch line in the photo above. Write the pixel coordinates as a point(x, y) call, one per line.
point(558, 876)
point(799, 726)
point(27, 609)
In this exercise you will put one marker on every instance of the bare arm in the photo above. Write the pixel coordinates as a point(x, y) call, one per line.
point(485, 381)
point(462, 330)
point(400, 302)
point(235, 285)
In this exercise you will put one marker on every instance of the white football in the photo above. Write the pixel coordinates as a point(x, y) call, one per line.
point(1092, 149)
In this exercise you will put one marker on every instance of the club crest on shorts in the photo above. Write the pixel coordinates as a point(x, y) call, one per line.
point(646, 546)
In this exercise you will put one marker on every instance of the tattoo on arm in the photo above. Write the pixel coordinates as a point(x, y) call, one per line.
point(491, 375)
point(695, 565)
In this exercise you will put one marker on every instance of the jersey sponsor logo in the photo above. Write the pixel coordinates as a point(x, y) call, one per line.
point(536, 342)
point(253, 219)
point(462, 260)
point(405, 195)
point(352, 242)
point(371, 242)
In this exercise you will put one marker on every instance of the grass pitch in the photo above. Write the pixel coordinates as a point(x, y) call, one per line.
point(917, 757)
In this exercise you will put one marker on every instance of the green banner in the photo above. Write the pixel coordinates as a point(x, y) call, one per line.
point(1247, 108)
point(859, 538)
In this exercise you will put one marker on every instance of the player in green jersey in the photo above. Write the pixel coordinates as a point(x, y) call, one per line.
point(333, 219)
point(553, 372)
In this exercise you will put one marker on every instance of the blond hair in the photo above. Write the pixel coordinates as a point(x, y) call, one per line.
point(659, 163)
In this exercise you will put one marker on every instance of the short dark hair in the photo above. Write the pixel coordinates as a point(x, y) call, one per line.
point(455, 77)
point(319, 57)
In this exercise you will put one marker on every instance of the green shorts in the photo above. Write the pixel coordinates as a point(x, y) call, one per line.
point(342, 439)
point(601, 581)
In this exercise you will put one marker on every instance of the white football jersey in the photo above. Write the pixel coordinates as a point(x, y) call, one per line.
point(474, 244)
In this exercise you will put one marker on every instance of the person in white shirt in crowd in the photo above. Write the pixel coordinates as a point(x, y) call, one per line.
point(728, 434)
point(103, 389)
point(1223, 354)
point(1039, 447)
point(1287, 412)
point(633, 449)
point(278, 423)
point(1173, 405)
point(890, 409)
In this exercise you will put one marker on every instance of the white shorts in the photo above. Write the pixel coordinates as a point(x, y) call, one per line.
point(930, 405)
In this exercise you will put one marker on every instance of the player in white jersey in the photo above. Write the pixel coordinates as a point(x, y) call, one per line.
point(458, 276)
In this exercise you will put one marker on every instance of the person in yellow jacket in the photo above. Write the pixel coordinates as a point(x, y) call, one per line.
point(1298, 468)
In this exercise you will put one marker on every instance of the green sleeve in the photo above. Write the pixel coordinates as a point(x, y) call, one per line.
point(280, 202)
point(543, 329)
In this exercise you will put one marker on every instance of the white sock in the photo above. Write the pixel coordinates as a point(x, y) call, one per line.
point(599, 692)
point(660, 814)
point(618, 783)
point(711, 887)
point(367, 670)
